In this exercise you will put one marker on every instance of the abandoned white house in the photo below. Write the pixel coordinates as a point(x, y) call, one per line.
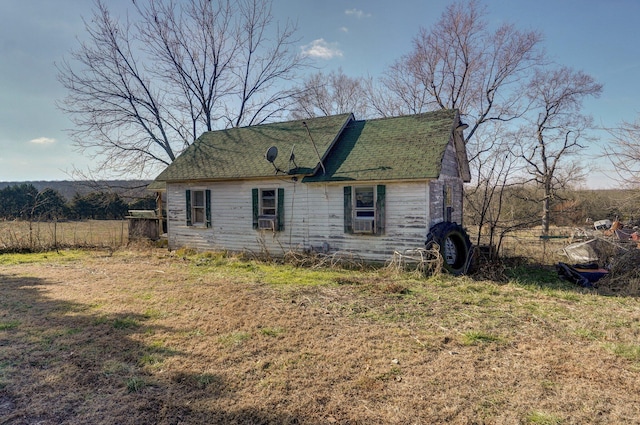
point(369, 187)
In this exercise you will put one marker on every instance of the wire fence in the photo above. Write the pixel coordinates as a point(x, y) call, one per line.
point(531, 245)
point(37, 236)
point(535, 248)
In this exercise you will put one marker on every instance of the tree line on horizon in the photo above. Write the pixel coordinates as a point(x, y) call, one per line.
point(26, 202)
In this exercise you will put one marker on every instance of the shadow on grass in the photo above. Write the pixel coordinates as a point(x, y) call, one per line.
point(64, 362)
point(538, 276)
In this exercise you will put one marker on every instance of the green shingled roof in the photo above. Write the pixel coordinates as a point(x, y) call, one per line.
point(240, 152)
point(406, 147)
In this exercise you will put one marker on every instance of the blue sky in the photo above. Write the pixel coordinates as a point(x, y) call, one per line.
point(362, 37)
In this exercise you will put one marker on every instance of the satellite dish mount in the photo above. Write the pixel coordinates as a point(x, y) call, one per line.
point(292, 158)
point(304, 123)
point(271, 155)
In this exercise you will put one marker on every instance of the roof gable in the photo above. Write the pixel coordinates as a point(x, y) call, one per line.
point(406, 147)
point(240, 152)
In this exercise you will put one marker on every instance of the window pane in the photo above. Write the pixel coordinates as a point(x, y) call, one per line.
point(364, 197)
point(198, 214)
point(198, 198)
point(268, 202)
point(365, 213)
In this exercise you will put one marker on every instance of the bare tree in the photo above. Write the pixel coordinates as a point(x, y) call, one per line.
point(493, 175)
point(141, 89)
point(624, 152)
point(556, 131)
point(330, 94)
point(461, 64)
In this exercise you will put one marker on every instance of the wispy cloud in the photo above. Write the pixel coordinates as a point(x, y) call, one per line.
point(359, 14)
point(42, 141)
point(321, 49)
point(344, 29)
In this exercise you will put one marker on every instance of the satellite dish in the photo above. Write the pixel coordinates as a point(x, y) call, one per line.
point(272, 154)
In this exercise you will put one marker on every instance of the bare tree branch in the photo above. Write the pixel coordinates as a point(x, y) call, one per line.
point(141, 91)
point(555, 131)
point(460, 64)
point(624, 152)
point(330, 94)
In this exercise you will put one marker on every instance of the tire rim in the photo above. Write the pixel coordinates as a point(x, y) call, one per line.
point(450, 251)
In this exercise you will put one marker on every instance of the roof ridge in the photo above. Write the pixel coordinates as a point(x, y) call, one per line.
point(324, 117)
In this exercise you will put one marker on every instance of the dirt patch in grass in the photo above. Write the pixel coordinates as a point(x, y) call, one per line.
point(148, 337)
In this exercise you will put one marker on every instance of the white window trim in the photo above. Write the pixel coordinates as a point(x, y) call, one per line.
point(267, 221)
point(365, 224)
point(261, 205)
point(195, 208)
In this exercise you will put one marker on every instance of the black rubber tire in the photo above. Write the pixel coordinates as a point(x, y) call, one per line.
point(455, 246)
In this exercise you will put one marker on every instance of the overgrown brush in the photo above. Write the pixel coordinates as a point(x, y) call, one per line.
point(624, 275)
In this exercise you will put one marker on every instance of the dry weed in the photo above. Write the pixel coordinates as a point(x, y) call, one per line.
point(624, 275)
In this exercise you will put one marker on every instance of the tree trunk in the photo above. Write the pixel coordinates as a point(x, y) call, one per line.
point(546, 213)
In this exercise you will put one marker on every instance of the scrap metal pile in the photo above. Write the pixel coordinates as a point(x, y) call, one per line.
point(604, 257)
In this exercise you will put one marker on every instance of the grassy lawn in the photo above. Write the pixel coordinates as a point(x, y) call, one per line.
point(151, 337)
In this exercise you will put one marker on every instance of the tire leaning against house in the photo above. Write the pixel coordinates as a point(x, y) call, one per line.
point(454, 243)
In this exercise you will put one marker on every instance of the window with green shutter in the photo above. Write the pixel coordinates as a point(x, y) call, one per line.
point(198, 207)
point(268, 209)
point(364, 209)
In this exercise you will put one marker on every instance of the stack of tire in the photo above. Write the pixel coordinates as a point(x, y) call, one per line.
point(455, 246)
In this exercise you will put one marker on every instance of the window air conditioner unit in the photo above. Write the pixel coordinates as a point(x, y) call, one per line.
point(363, 226)
point(265, 223)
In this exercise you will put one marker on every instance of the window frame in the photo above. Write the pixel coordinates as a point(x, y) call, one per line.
point(198, 211)
point(378, 226)
point(273, 203)
point(198, 214)
point(274, 210)
point(364, 209)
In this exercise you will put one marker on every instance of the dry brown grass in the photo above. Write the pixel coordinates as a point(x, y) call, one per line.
point(149, 337)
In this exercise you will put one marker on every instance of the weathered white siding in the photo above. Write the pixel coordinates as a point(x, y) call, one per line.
point(314, 216)
point(406, 215)
point(314, 219)
point(231, 217)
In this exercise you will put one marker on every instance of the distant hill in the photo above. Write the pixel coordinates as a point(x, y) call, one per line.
point(127, 189)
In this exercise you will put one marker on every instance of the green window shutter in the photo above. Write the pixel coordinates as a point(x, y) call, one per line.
point(380, 209)
point(207, 207)
point(280, 210)
point(256, 206)
point(348, 210)
point(188, 204)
